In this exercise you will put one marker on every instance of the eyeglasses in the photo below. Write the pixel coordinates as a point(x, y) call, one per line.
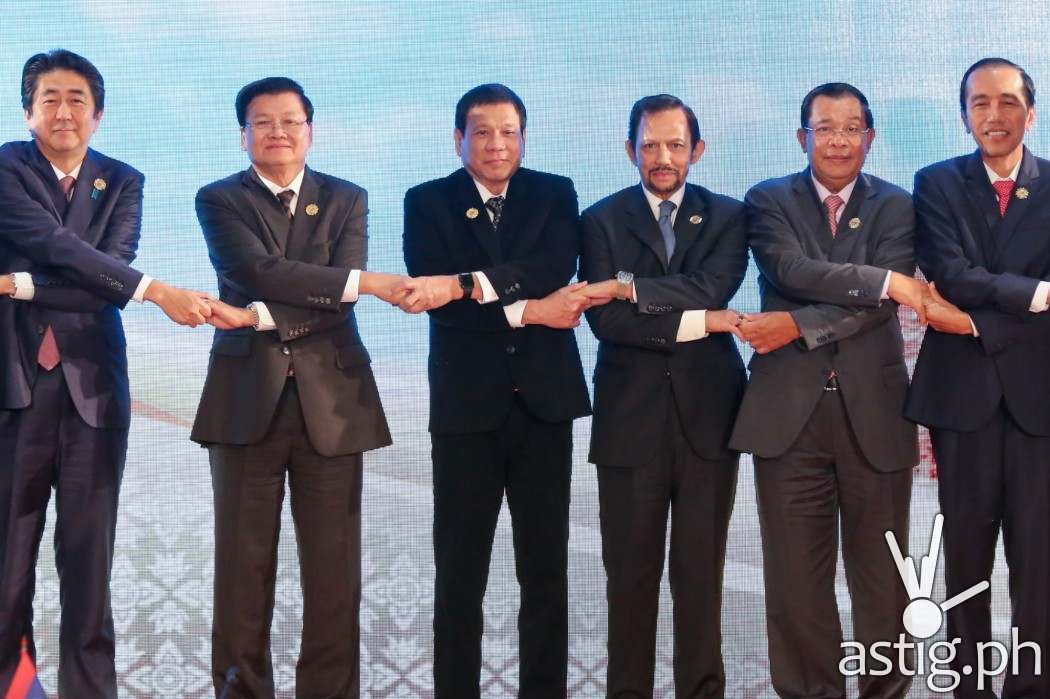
point(852, 134)
point(287, 125)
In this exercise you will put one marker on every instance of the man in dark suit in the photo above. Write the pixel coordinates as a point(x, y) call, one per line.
point(289, 391)
point(666, 387)
point(822, 411)
point(498, 243)
point(69, 227)
point(982, 379)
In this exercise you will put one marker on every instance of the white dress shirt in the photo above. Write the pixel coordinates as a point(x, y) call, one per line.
point(25, 290)
point(353, 282)
point(693, 325)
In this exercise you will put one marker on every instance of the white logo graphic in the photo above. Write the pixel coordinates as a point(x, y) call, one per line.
point(923, 617)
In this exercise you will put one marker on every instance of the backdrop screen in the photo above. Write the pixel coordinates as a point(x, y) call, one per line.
point(384, 78)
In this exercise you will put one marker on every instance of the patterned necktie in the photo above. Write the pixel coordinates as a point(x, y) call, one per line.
point(286, 197)
point(48, 356)
point(666, 229)
point(833, 203)
point(1004, 188)
point(495, 205)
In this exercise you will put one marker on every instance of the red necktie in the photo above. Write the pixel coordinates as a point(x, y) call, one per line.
point(47, 356)
point(286, 197)
point(1004, 188)
point(833, 203)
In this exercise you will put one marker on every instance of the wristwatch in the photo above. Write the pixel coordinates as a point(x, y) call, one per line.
point(255, 314)
point(466, 282)
point(624, 280)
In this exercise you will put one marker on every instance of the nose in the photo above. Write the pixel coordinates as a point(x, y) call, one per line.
point(63, 112)
point(663, 155)
point(498, 142)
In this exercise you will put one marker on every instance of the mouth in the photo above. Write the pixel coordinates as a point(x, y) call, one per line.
point(996, 133)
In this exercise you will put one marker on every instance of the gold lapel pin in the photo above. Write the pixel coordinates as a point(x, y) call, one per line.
point(1021, 193)
point(854, 223)
point(100, 184)
point(472, 213)
point(311, 209)
point(695, 219)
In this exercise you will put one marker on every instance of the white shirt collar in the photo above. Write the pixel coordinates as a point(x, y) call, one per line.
point(486, 194)
point(74, 173)
point(844, 194)
point(994, 177)
point(295, 185)
point(655, 201)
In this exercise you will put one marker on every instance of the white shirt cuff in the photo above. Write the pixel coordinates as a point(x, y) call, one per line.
point(265, 319)
point(353, 286)
point(693, 326)
point(974, 328)
point(24, 289)
point(886, 286)
point(1039, 299)
point(488, 295)
point(140, 290)
point(514, 312)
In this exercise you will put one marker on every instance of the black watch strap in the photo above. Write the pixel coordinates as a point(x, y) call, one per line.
point(466, 282)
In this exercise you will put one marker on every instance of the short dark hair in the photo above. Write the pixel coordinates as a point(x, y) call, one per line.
point(660, 103)
point(270, 86)
point(835, 91)
point(1029, 85)
point(60, 59)
point(489, 93)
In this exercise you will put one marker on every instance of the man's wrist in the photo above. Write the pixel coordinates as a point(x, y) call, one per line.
point(12, 282)
point(254, 320)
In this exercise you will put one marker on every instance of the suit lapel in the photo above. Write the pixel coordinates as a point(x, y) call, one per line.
point(813, 211)
point(85, 200)
point(1029, 182)
point(516, 207)
point(687, 225)
point(857, 212)
point(982, 202)
point(305, 223)
point(269, 208)
point(471, 210)
point(42, 166)
point(642, 224)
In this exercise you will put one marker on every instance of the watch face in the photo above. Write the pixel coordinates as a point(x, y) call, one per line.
point(624, 277)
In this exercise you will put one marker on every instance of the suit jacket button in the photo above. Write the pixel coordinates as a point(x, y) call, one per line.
point(40, 330)
point(667, 373)
point(285, 350)
point(511, 349)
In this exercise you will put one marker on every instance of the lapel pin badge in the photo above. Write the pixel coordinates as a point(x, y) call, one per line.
point(1021, 193)
point(854, 223)
point(100, 186)
point(311, 209)
point(695, 219)
point(472, 213)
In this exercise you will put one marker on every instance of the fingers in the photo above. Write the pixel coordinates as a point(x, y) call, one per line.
point(736, 332)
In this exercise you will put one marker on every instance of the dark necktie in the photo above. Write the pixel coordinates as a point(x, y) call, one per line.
point(47, 356)
point(495, 205)
point(286, 201)
point(666, 229)
point(833, 203)
point(1004, 188)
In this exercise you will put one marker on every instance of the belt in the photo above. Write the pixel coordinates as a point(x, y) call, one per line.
point(832, 384)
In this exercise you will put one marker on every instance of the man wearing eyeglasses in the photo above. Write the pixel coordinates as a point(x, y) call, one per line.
point(981, 378)
point(289, 392)
point(822, 411)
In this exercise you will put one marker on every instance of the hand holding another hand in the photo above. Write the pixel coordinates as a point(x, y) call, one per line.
point(767, 332)
point(184, 306)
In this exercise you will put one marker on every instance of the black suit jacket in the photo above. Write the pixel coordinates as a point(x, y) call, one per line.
point(78, 253)
point(299, 270)
point(640, 362)
point(989, 267)
point(477, 361)
point(831, 287)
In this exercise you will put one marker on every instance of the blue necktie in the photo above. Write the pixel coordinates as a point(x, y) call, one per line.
point(666, 229)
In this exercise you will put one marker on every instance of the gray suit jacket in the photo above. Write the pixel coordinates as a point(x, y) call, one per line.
point(831, 286)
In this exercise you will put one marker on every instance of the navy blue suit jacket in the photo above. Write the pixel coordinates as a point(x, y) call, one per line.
point(989, 267)
point(78, 254)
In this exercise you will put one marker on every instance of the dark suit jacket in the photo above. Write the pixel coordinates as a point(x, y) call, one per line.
point(640, 362)
point(78, 254)
point(831, 287)
point(476, 359)
point(299, 271)
point(989, 267)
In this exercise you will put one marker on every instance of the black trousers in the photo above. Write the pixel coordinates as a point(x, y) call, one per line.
point(823, 481)
point(634, 505)
point(997, 477)
point(48, 445)
point(531, 461)
point(248, 483)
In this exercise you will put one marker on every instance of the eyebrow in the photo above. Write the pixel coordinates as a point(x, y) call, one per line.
point(55, 91)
